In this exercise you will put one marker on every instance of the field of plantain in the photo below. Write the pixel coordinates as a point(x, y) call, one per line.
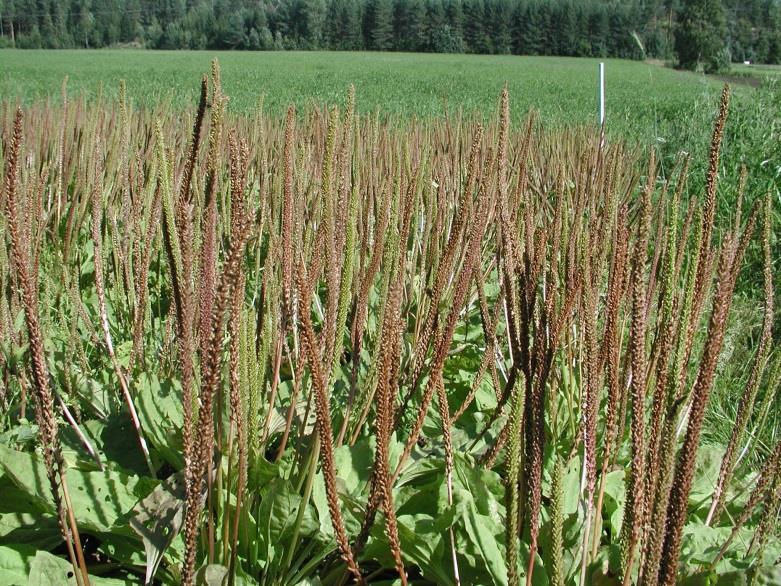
point(239, 349)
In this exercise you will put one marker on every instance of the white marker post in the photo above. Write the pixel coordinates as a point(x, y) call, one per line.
point(601, 94)
point(601, 104)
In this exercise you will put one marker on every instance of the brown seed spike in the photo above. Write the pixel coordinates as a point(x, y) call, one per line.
point(288, 214)
point(711, 183)
point(677, 509)
point(323, 422)
point(632, 526)
point(746, 404)
point(44, 413)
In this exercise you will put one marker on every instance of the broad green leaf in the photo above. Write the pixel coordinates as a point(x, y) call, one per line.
point(605, 569)
point(123, 546)
point(15, 564)
point(485, 486)
point(764, 576)
point(26, 566)
point(37, 530)
point(320, 502)
point(276, 518)
point(478, 527)
point(159, 407)
point(119, 442)
point(354, 465)
point(49, 570)
point(571, 487)
point(701, 543)
point(22, 434)
point(261, 472)
point(100, 499)
point(615, 500)
point(422, 543)
point(211, 575)
point(706, 474)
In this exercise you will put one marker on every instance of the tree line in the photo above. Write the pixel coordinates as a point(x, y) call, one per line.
point(741, 29)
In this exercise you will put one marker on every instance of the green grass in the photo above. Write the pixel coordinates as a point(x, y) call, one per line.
point(758, 70)
point(642, 99)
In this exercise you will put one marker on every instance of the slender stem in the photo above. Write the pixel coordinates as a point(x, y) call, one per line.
point(311, 467)
point(77, 430)
point(74, 531)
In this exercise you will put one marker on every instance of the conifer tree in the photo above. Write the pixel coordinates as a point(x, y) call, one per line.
point(699, 36)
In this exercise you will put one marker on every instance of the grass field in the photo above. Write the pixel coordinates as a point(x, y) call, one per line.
point(758, 70)
point(642, 99)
